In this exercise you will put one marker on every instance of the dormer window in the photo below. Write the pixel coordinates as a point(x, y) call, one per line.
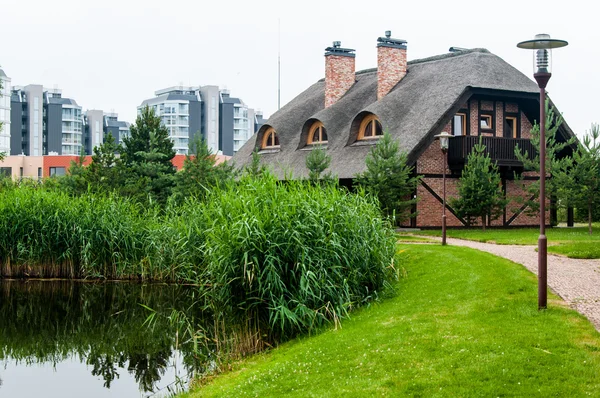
point(370, 128)
point(317, 134)
point(270, 139)
point(485, 122)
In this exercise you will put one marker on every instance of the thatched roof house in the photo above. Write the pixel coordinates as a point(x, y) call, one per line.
point(466, 93)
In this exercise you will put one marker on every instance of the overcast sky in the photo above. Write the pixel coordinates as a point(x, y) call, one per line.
point(112, 55)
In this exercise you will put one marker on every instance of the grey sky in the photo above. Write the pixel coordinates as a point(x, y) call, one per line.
point(113, 54)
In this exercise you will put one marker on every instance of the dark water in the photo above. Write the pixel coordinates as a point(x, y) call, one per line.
point(81, 339)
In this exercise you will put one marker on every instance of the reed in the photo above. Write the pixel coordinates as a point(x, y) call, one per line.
point(279, 258)
point(293, 256)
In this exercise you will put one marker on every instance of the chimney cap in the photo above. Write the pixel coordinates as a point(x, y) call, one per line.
point(337, 49)
point(457, 49)
point(387, 41)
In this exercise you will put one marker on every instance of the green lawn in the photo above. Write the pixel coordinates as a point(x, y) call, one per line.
point(464, 323)
point(571, 242)
point(404, 237)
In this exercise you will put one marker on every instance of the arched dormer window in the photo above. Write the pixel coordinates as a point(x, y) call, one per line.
point(270, 139)
point(317, 134)
point(370, 128)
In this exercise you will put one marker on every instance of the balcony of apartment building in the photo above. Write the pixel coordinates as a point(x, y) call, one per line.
point(501, 150)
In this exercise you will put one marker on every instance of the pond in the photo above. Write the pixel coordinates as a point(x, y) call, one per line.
point(76, 339)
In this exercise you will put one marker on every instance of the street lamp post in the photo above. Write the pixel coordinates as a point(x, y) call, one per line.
point(543, 45)
point(444, 138)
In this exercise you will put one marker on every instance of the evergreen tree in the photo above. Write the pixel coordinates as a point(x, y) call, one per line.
point(75, 181)
point(105, 172)
point(317, 162)
point(255, 169)
point(199, 173)
point(147, 159)
point(553, 163)
point(479, 189)
point(389, 178)
point(578, 180)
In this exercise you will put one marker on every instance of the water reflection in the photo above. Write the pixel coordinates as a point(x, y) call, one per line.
point(49, 327)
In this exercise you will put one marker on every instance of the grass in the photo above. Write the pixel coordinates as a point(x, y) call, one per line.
point(577, 249)
point(404, 237)
point(570, 242)
point(464, 323)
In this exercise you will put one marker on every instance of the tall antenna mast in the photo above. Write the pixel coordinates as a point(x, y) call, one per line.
point(278, 63)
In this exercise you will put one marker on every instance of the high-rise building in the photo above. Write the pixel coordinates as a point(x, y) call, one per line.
point(117, 128)
point(44, 122)
point(98, 125)
point(224, 122)
point(5, 113)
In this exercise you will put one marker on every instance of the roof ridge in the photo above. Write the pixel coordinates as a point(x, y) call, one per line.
point(428, 59)
point(448, 55)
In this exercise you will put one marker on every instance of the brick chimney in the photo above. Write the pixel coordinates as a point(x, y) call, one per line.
point(339, 72)
point(391, 63)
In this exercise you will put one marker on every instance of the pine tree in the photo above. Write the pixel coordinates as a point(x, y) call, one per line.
point(147, 159)
point(479, 189)
point(75, 182)
point(553, 163)
point(317, 162)
point(390, 179)
point(199, 173)
point(104, 174)
point(578, 180)
point(255, 169)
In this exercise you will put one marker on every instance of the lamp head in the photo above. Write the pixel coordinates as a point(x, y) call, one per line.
point(444, 138)
point(542, 57)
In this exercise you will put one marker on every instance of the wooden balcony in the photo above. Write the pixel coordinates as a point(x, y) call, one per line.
point(501, 150)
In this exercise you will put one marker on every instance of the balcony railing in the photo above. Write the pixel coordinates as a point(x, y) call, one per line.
point(501, 150)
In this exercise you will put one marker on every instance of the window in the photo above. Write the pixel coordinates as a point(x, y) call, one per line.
point(510, 127)
point(270, 139)
point(317, 134)
point(39, 173)
point(485, 121)
point(5, 172)
point(459, 124)
point(57, 171)
point(370, 128)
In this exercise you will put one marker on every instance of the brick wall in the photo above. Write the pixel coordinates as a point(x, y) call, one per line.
point(429, 207)
point(339, 77)
point(474, 117)
point(499, 119)
point(391, 68)
point(62, 161)
point(525, 127)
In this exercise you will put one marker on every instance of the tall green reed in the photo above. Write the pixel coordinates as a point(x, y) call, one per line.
point(293, 256)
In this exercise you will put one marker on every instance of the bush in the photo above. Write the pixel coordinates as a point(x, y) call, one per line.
point(292, 256)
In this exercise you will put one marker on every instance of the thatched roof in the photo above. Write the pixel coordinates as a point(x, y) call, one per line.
point(417, 108)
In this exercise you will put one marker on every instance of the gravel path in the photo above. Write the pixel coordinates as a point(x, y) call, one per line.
point(576, 281)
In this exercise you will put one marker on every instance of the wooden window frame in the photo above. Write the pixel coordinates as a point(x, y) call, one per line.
point(515, 133)
point(363, 126)
point(464, 123)
point(265, 141)
point(321, 129)
point(490, 124)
